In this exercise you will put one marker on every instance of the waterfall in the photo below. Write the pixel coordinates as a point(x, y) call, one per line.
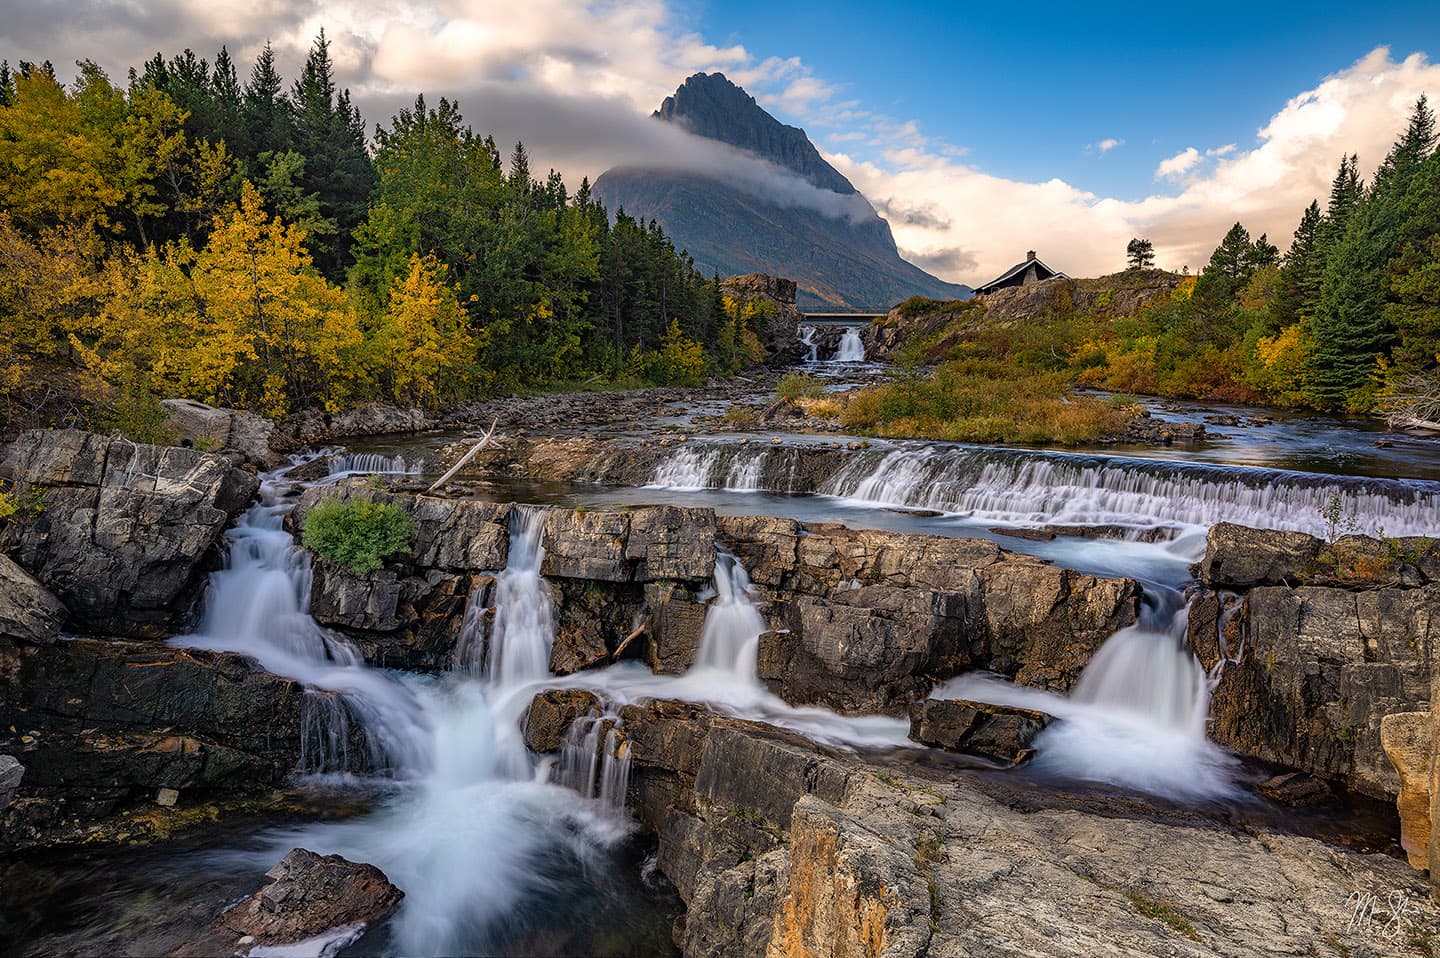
point(1020, 486)
point(1136, 717)
point(730, 638)
point(595, 760)
point(369, 463)
point(807, 338)
point(524, 626)
point(258, 605)
point(851, 349)
point(688, 469)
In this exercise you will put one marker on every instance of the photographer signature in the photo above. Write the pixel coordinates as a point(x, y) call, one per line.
point(1386, 917)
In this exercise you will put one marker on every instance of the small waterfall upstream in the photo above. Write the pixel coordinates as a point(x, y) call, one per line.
point(371, 464)
point(851, 348)
point(807, 339)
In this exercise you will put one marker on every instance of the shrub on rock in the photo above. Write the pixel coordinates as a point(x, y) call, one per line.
point(356, 533)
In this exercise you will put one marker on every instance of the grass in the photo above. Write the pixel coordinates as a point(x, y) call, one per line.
point(795, 386)
point(1163, 913)
point(963, 405)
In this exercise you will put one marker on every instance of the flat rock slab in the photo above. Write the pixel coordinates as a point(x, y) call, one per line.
point(997, 731)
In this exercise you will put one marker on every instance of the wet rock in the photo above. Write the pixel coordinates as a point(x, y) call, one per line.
point(124, 529)
point(1295, 789)
point(101, 726)
point(213, 429)
point(307, 896)
point(399, 621)
point(1238, 557)
point(1318, 670)
point(674, 625)
point(1145, 429)
point(28, 612)
point(550, 714)
point(1407, 740)
point(997, 731)
point(592, 620)
point(11, 774)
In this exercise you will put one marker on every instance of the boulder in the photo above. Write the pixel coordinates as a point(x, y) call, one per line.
point(1295, 789)
point(550, 714)
point(211, 429)
point(28, 612)
point(307, 896)
point(124, 530)
point(997, 731)
point(1238, 557)
point(674, 626)
point(11, 774)
point(1406, 738)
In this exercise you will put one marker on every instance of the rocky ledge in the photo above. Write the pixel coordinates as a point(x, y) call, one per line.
point(779, 848)
point(120, 533)
point(860, 620)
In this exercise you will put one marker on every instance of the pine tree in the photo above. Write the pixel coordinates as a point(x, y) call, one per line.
point(226, 104)
point(1299, 265)
point(7, 84)
point(266, 118)
point(330, 134)
point(1140, 254)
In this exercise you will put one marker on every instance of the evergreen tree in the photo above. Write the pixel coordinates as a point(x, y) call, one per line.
point(1140, 254)
point(330, 134)
point(225, 99)
point(1300, 264)
point(7, 84)
point(267, 123)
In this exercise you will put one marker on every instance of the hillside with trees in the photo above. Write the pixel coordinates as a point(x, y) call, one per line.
point(224, 235)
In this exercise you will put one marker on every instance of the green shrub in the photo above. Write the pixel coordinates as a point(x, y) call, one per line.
point(793, 386)
point(357, 533)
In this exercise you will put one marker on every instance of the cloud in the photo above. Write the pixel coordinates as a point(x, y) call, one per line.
point(1178, 165)
point(1361, 108)
point(1105, 146)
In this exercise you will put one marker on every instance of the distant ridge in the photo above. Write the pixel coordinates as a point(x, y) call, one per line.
point(838, 261)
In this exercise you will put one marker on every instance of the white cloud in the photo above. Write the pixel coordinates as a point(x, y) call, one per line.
point(1178, 165)
point(1107, 144)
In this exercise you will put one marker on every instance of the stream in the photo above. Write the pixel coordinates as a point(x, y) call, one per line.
point(503, 852)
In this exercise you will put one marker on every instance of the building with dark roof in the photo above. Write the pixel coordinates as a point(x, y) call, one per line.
point(1032, 270)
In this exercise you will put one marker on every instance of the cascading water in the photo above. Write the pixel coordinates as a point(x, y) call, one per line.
point(807, 339)
point(1135, 718)
point(369, 463)
point(730, 637)
point(851, 348)
point(524, 626)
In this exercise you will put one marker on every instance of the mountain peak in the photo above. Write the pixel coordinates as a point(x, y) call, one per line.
point(710, 105)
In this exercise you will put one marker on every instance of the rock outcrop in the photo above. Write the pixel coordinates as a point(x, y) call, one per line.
point(212, 429)
point(28, 612)
point(861, 621)
point(778, 317)
point(1409, 744)
point(780, 849)
point(998, 731)
point(124, 530)
point(307, 896)
point(101, 727)
point(1320, 642)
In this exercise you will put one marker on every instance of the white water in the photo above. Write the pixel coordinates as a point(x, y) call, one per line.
point(370, 463)
point(1035, 489)
point(524, 627)
point(1136, 718)
point(851, 349)
point(807, 338)
point(730, 639)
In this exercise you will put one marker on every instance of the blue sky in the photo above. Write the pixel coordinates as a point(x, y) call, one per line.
point(1160, 77)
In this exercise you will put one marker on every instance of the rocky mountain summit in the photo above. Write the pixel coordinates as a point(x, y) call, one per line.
point(799, 218)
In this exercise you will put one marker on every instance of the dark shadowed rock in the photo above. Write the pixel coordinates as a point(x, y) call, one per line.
point(307, 896)
point(28, 612)
point(550, 715)
point(101, 726)
point(1238, 557)
point(1295, 789)
point(676, 622)
point(124, 528)
point(998, 731)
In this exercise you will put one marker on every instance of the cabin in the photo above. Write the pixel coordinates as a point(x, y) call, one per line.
point(1032, 270)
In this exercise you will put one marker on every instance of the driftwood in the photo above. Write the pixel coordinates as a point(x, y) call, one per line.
point(463, 459)
point(626, 644)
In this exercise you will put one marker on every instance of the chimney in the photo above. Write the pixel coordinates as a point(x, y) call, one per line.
point(1030, 256)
